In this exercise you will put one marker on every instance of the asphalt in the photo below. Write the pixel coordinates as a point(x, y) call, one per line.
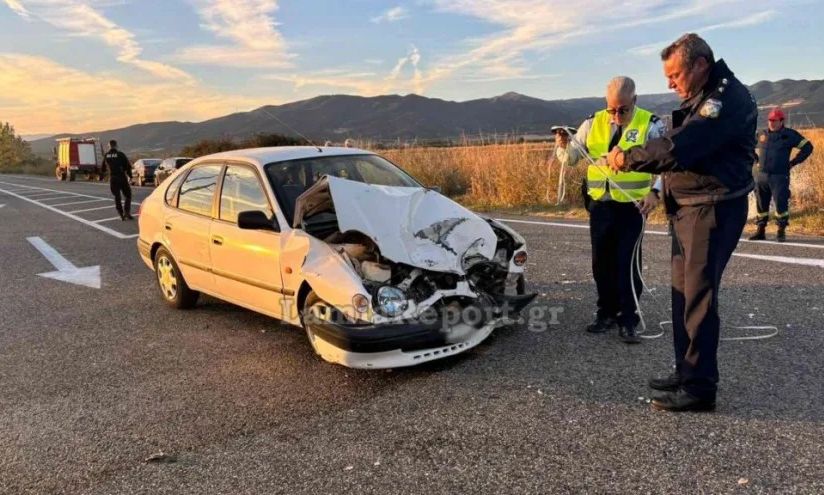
point(95, 381)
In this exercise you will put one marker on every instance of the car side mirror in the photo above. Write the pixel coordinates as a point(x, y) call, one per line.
point(257, 220)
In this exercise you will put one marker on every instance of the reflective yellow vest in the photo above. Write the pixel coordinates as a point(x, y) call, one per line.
point(635, 184)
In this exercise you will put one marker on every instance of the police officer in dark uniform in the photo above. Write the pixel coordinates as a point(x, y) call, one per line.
point(120, 172)
point(706, 162)
point(774, 164)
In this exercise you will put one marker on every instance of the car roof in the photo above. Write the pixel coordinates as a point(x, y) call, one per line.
point(262, 156)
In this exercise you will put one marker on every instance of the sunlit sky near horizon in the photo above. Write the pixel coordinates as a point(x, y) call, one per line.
point(87, 65)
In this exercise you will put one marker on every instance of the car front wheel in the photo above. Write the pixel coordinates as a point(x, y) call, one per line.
point(173, 287)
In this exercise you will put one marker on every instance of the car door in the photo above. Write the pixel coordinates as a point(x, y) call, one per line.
point(246, 263)
point(188, 223)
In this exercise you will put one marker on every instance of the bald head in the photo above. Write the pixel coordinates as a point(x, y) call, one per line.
point(621, 99)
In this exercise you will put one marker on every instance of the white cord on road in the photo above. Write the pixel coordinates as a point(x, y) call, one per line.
point(635, 267)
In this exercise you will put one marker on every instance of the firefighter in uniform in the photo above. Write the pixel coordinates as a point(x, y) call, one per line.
point(615, 221)
point(706, 161)
point(120, 172)
point(774, 164)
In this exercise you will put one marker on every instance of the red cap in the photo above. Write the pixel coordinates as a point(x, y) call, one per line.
point(776, 114)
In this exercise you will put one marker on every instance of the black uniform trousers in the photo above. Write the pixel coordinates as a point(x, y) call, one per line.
point(614, 229)
point(777, 188)
point(120, 185)
point(703, 240)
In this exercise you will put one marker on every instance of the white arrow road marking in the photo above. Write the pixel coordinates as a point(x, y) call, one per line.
point(784, 259)
point(66, 271)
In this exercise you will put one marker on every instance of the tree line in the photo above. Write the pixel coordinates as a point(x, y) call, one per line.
point(16, 155)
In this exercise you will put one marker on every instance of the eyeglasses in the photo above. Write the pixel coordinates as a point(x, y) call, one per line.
point(622, 110)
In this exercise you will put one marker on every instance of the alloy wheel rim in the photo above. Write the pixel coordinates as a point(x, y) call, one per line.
point(167, 278)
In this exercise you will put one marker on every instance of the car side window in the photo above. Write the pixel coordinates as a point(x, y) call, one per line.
point(198, 190)
point(171, 191)
point(242, 191)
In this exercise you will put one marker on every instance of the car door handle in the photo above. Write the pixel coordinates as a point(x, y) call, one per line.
point(217, 240)
point(168, 226)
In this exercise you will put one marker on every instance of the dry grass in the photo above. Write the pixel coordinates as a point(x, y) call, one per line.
point(519, 178)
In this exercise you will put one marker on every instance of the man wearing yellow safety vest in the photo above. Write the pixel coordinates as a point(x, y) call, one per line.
point(614, 219)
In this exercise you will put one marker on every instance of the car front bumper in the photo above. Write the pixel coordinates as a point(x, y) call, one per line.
point(398, 345)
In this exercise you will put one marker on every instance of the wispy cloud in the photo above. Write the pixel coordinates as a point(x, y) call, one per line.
point(82, 18)
point(18, 8)
point(33, 87)
point(755, 19)
point(250, 29)
point(362, 83)
point(530, 26)
point(392, 15)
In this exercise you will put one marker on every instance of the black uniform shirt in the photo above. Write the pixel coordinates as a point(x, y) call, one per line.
point(118, 164)
point(774, 150)
point(708, 155)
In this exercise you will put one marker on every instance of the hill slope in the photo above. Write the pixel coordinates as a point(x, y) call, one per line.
point(390, 117)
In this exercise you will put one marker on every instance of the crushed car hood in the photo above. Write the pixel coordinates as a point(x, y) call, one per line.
point(410, 225)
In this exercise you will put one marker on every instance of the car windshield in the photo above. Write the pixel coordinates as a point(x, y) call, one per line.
point(291, 178)
point(182, 161)
point(151, 163)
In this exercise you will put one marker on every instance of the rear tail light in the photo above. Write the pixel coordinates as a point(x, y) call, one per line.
point(520, 258)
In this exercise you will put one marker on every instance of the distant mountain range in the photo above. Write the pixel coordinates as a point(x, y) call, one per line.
point(392, 117)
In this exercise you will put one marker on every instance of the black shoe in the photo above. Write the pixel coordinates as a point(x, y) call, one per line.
point(668, 384)
point(681, 401)
point(782, 234)
point(759, 235)
point(122, 217)
point(128, 216)
point(629, 334)
point(601, 325)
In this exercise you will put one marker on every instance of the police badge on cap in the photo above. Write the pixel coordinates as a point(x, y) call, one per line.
point(710, 109)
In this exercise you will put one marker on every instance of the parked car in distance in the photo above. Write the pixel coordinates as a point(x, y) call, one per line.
point(168, 166)
point(143, 171)
point(380, 271)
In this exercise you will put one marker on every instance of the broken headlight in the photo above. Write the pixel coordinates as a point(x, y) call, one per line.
point(390, 301)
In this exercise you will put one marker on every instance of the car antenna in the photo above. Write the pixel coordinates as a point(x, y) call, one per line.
point(262, 109)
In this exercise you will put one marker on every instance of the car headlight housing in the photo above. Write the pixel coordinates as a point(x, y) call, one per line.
point(391, 301)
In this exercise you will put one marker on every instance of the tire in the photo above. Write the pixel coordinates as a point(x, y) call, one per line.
point(72, 176)
point(312, 300)
point(170, 282)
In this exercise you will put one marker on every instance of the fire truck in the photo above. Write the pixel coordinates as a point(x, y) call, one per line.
point(75, 156)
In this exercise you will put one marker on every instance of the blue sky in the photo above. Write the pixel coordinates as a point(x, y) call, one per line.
point(86, 65)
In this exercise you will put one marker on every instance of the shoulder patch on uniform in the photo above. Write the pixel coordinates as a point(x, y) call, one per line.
point(711, 109)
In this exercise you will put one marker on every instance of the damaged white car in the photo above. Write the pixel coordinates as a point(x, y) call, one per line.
point(380, 271)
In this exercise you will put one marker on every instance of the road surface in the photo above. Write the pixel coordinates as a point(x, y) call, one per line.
point(94, 381)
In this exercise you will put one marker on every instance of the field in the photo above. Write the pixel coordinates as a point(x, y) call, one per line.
point(520, 178)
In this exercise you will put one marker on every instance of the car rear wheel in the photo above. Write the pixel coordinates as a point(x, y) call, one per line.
point(173, 287)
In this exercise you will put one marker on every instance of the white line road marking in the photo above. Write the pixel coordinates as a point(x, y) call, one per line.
point(81, 202)
point(2, 206)
point(784, 259)
point(82, 220)
point(656, 232)
point(66, 271)
point(92, 209)
point(113, 218)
